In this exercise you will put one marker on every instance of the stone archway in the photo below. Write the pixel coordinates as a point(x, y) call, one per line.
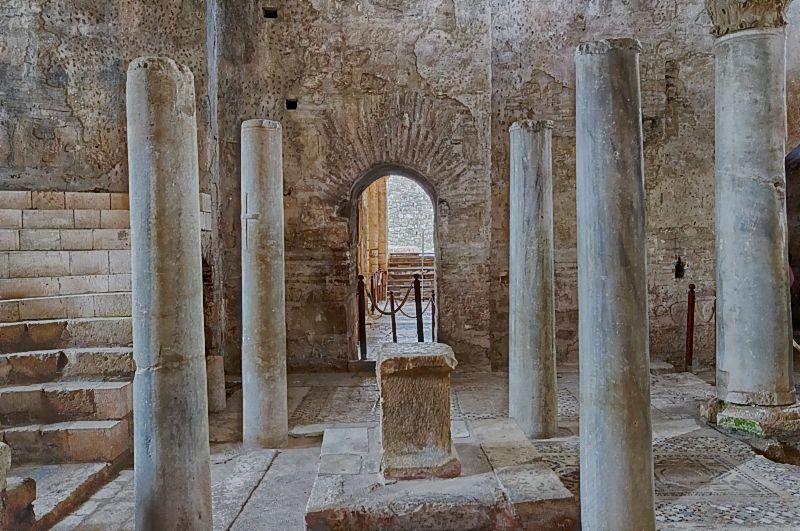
point(359, 186)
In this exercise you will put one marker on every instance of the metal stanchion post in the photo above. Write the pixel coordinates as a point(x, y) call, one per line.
point(433, 316)
point(393, 316)
point(362, 318)
point(418, 304)
point(689, 359)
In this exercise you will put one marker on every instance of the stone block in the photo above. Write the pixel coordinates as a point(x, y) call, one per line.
point(88, 263)
point(111, 239)
point(119, 201)
point(42, 308)
point(119, 283)
point(345, 441)
point(9, 311)
point(115, 219)
point(5, 464)
point(19, 200)
point(119, 262)
point(77, 306)
point(16, 504)
point(116, 305)
point(48, 200)
point(9, 240)
point(77, 239)
point(3, 265)
point(540, 499)
point(87, 219)
point(10, 218)
point(39, 239)
point(205, 202)
point(48, 219)
point(74, 285)
point(87, 200)
point(414, 383)
point(27, 264)
point(17, 288)
point(761, 421)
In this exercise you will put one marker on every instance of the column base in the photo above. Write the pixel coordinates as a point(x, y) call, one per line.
point(760, 421)
point(423, 465)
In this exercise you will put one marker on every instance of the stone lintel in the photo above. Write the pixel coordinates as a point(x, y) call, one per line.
point(761, 421)
point(402, 357)
point(730, 16)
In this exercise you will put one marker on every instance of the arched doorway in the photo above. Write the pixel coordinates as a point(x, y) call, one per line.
point(393, 237)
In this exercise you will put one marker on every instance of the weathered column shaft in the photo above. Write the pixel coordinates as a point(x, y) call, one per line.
point(532, 354)
point(265, 410)
point(170, 411)
point(615, 431)
point(754, 333)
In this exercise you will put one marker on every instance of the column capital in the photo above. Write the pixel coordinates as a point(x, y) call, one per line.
point(730, 16)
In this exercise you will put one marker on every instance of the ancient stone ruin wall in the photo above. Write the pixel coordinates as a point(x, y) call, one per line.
point(410, 215)
point(430, 86)
point(399, 84)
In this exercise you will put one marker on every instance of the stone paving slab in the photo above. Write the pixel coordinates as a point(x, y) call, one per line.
point(350, 494)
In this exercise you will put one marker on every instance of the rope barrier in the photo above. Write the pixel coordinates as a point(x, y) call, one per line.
point(423, 311)
point(397, 309)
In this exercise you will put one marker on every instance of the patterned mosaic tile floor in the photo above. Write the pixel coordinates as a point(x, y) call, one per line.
point(703, 479)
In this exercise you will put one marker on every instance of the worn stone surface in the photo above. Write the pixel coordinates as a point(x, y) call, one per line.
point(615, 423)
point(16, 504)
point(265, 415)
point(762, 421)
point(461, 70)
point(414, 382)
point(5, 464)
point(532, 348)
point(754, 345)
point(170, 396)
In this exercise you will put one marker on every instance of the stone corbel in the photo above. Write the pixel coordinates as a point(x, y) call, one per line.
point(730, 16)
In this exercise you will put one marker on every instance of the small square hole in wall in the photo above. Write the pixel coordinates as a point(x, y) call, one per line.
point(270, 12)
point(291, 104)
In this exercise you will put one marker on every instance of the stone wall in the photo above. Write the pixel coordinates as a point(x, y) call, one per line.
point(410, 215)
point(426, 88)
point(381, 87)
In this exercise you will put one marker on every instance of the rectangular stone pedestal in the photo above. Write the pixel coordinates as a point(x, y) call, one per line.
point(414, 383)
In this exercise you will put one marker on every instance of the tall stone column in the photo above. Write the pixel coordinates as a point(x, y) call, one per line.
point(532, 352)
point(754, 337)
point(265, 410)
point(170, 410)
point(616, 455)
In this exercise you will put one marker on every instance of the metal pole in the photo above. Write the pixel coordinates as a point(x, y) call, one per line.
point(433, 316)
point(372, 290)
point(418, 304)
point(362, 318)
point(393, 316)
point(689, 359)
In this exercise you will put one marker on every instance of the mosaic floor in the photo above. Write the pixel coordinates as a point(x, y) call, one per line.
point(703, 479)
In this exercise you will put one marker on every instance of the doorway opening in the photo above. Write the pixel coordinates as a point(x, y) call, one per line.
point(396, 241)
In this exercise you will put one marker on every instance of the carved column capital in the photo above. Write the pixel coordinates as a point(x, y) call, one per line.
point(730, 16)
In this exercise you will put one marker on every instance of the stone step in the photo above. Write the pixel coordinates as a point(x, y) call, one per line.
point(21, 288)
point(66, 364)
point(65, 401)
point(64, 239)
point(35, 264)
point(112, 304)
point(65, 333)
point(81, 441)
point(64, 219)
point(54, 200)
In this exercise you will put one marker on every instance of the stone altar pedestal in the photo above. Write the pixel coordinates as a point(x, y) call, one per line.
point(414, 384)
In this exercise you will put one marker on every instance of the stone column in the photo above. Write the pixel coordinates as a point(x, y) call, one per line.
point(170, 410)
point(616, 455)
point(265, 410)
point(754, 336)
point(532, 353)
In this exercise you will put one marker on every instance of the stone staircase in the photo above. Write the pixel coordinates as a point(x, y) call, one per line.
point(403, 266)
point(66, 362)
